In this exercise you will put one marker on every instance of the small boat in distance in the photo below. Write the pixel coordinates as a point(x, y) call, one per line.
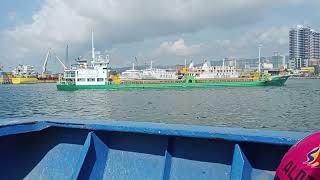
point(96, 75)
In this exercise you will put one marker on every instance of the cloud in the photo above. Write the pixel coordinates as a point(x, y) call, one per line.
point(272, 35)
point(178, 48)
point(122, 21)
point(272, 39)
point(12, 16)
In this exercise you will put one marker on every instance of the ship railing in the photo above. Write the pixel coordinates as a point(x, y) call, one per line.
point(154, 81)
point(224, 80)
point(64, 82)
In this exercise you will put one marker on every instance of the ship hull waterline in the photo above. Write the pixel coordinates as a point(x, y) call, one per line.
point(24, 80)
point(278, 81)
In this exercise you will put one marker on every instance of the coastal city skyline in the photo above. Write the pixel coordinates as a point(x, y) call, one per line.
point(180, 35)
point(169, 89)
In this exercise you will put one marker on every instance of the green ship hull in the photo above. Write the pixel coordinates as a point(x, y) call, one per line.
point(275, 81)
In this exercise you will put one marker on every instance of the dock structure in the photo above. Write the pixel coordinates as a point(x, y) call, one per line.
point(5, 78)
point(93, 149)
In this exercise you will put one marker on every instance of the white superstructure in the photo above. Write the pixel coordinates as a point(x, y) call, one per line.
point(24, 71)
point(212, 72)
point(155, 73)
point(97, 72)
point(131, 74)
point(148, 74)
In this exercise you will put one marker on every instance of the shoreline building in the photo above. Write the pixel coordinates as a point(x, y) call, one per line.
point(1, 74)
point(304, 47)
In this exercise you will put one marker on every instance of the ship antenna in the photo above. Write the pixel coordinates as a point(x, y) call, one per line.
point(92, 45)
point(259, 68)
point(67, 56)
point(223, 62)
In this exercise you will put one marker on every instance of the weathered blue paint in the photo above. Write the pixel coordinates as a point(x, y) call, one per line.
point(87, 149)
point(81, 165)
point(168, 159)
point(241, 168)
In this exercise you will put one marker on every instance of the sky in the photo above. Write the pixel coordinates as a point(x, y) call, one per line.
point(166, 31)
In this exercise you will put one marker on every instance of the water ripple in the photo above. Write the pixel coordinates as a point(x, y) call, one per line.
point(292, 107)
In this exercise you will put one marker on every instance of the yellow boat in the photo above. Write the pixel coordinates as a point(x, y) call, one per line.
point(24, 80)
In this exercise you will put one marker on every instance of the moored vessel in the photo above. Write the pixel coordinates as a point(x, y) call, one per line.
point(24, 74)
point(96, 75)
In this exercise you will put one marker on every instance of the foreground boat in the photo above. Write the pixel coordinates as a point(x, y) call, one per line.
point(79, 149)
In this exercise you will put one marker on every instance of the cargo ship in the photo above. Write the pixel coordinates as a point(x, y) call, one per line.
point(24, 74)
point(96, 75)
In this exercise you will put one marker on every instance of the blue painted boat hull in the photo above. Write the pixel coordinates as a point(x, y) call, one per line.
point(76, 149)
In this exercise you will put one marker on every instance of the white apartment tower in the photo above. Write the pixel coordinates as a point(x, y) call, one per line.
point(304, 46)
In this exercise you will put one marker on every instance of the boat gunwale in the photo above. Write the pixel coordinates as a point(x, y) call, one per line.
point(190, 131)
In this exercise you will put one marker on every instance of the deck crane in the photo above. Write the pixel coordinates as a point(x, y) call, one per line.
point(44, 67)
point(45, 64)
point(64, 66)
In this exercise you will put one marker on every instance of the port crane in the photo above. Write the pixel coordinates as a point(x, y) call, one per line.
point(45, 64)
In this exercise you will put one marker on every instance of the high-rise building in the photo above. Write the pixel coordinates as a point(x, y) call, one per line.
point(315, 45)
point(278, 61)
point(304, 46)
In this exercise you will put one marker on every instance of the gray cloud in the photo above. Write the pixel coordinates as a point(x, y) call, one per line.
point(122, 21)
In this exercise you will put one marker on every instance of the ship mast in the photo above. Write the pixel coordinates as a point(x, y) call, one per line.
point(259, 68)
point(223, 62)
point(67, 56)
point(92, 46)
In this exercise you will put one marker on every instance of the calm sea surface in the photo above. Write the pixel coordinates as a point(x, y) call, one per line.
point(295, 107)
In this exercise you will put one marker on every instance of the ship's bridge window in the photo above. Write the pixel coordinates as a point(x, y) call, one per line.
point(100, 79)
point(81, 79)
point(91, 79)
point(70, 74)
